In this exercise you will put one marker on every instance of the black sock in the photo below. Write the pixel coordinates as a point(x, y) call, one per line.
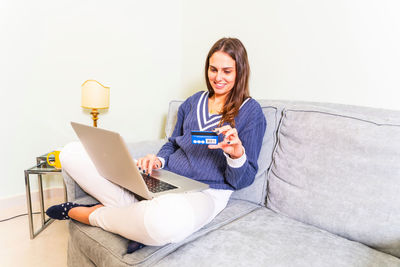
point(133, 246)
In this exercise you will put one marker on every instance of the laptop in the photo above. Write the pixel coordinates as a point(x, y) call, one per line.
point(113, 161)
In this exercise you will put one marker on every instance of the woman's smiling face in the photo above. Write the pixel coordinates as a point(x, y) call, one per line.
point(221, 73)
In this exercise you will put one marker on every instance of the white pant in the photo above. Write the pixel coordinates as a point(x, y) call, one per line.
point(166, 219)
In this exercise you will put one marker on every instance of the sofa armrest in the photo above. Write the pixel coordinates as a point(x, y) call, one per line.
point(73, 190)
point(136, 150)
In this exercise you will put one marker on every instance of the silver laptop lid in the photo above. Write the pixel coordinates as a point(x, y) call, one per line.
point(111, 158)
point(113, 161)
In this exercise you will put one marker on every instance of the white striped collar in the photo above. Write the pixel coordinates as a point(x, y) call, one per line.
point(206, 120)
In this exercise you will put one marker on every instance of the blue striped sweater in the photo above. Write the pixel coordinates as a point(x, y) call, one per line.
point(211, 166)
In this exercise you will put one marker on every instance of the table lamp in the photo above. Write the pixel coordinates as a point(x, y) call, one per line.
point(95, 96)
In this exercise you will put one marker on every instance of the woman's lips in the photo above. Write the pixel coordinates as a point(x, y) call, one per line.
point(219, 85)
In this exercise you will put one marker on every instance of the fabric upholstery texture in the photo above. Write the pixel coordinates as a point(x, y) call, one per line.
point(340, 172)
point(256, 192)
point(73, 189)
point(265, 238)
point(333, 182)
point(107, 249)
point(172, 117)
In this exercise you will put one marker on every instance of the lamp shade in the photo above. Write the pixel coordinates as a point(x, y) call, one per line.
point(95, 95)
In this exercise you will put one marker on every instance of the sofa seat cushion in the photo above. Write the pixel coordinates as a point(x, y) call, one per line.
point(107, 249)
point(266, 238)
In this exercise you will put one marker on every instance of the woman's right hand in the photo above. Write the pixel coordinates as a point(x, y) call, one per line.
point(148, 163)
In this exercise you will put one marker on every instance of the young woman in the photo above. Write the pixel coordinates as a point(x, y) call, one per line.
point(225, 108)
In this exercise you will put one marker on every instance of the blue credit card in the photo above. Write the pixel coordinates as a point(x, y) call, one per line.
point(204, 138)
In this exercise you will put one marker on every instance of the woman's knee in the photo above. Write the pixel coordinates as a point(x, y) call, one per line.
point(70, 152)
point(70, 148)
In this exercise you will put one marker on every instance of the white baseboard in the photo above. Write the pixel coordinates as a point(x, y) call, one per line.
point(15, 205)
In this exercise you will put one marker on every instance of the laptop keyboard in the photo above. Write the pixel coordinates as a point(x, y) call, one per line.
point(154, 185)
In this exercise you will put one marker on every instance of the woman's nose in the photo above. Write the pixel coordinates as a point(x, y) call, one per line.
point(219, 76)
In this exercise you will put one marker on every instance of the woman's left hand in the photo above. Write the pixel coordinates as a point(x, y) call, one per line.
point(231, 144)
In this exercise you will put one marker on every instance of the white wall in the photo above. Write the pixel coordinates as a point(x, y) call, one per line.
point(49, 48)
point(317, 50)
point(149, 52)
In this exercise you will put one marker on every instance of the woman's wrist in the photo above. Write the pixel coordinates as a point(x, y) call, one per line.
point(161, 161)
point(238, 162)
point(238, 155)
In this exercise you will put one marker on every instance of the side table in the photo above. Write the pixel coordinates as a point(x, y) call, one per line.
point(41, 168)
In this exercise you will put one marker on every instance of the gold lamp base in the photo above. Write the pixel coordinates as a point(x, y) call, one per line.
point(95, 117)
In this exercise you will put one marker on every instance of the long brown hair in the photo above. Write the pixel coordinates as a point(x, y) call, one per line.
point(240, 90)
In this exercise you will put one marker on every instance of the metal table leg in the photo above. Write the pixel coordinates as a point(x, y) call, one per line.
point(41, 199)
point(40, 169)
point(65, 191)
point(44, 222)
point(29, 204)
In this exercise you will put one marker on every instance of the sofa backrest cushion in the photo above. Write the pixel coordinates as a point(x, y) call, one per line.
point(256, 192)
point(172, 117)
point(338, 168)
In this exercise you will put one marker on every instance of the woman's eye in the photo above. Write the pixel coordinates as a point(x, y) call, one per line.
point(227, 71)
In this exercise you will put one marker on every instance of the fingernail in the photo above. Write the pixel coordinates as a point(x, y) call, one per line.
point(228, 142)
point(140, 168)
point(144, 171)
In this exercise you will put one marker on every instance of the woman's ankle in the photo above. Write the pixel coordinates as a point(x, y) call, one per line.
point(81, 214)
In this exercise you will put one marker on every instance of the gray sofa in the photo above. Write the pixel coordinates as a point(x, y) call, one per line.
point(327, 193)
